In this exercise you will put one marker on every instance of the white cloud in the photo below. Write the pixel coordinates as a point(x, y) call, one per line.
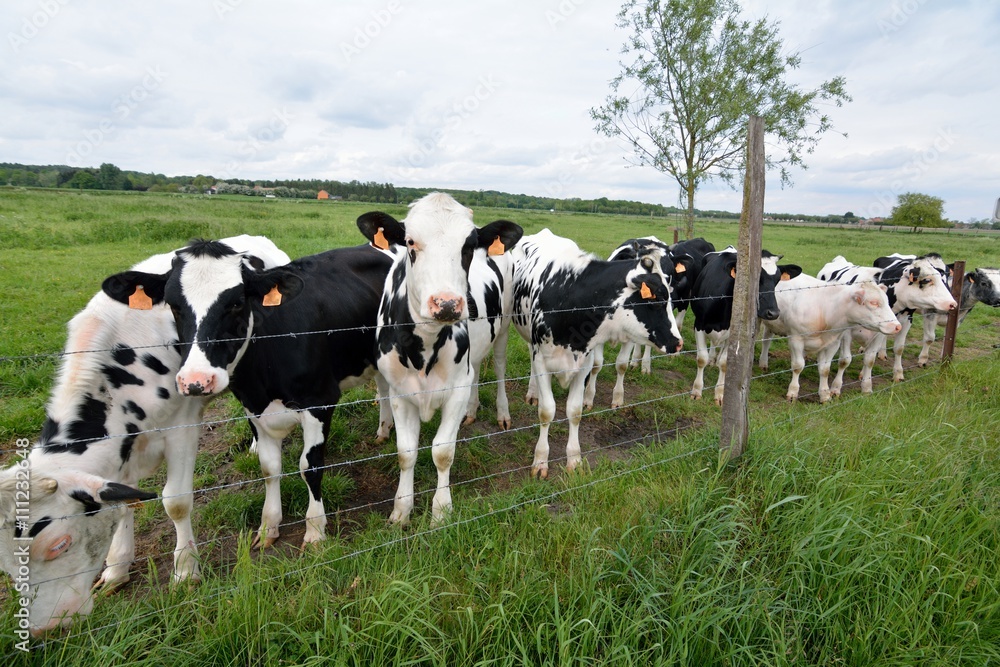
point(478, 95)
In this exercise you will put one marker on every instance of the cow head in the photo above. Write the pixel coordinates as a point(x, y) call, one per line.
point(870, 308)
point(54, 556)
point(771, 273)
point(439, 240)
point(983, 288)
point(647, 316)
point(215, 294)
point(922, 285)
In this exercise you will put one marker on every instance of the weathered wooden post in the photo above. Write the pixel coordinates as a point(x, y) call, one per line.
point(677, 235)
point(957, 278)
point(735, 429)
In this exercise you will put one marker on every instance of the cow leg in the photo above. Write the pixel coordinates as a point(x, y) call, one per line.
point(634, 357)
point(531, 398)
point(679, 317)
point(500, 370)
point(546, 413)
point(591, 391)
point(384, 409)
point(699, 378)
point(443, 453)
point(272, 427)
point(825, 359)
point(407, 440)
point(872, 348)
point(180, 452)
point(647, 359)
point(315, 428)
point(473, 407)
point(843, 361)
point(930, 333)
point(796, 351)
point(897, 349)
point(574, 413)
point(621, 365)
point(765, 347)
point(120, 555)
point(720, 386)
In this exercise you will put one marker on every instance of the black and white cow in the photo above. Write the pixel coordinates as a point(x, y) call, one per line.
point(655, 257)
point(695, 250)
point(445, 304)
point(816, 316)
point(912, 285)
point(114, 415)
point(235, 322)
point(977, 287)
point(567, 303)
point(712, 304)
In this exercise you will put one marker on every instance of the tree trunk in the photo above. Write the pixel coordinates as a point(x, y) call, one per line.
point(689, 222)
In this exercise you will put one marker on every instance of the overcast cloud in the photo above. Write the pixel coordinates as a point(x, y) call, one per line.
point(484, 95)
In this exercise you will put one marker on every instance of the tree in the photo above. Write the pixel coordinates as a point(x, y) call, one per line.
point(918, 210)
point(697, 72)
point(109, 177)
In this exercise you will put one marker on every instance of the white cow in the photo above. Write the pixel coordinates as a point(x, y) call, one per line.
point(113, 417)
point(816, 317)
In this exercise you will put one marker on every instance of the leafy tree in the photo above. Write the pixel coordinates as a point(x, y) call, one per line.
point(918, 210)
point(697, 72)
point(109, 177)
point(83, 180)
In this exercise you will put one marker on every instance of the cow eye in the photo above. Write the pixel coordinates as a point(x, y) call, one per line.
point(411, 242)
point(647, 264)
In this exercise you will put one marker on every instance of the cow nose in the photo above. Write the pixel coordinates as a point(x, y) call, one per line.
point(196, 384)
point(680, 345)
point(952, 307)
point(769, 314)
point(897, 328)
point(446, 307)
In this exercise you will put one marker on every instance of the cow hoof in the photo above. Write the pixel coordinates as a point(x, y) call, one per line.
point(718, 402)
point(790, 398)
point(531, 400)
point(468, 420)
point(695, 397)
point(589, 405)
point(109, 583)
point(539, 473)
point(504, 423)
point(615, 405)
point(260, 545)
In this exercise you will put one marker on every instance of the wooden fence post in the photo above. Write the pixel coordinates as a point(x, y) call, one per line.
point(735, 429)
point(677, 234)
point(957, 278)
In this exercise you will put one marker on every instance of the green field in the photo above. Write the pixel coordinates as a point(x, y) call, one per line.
point(864, 531)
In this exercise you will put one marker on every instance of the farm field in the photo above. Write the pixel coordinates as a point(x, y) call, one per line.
point(860, 532)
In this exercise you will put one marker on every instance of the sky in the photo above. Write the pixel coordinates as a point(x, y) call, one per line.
point(482, 95)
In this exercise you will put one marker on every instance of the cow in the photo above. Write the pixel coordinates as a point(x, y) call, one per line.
point(695, 250)
point(816, 316)
point(567, 303)
point(976, 287)
point(912, 284)
point(675, 271)
point(287, 341)
point(113, 416)
point(445, 304)
point(838, 267)
point(712, 304)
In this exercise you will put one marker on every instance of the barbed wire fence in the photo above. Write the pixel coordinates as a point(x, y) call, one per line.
point(651, 437)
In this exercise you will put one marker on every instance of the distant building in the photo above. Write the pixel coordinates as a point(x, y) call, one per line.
point(323, 194)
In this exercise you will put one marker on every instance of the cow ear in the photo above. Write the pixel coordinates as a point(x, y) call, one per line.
point(499, 236)
point(884, 287)
point(381, 229)
point(274, 287)
point(913, 275)
point(132, 285)
point(789, 271)
point(115, 492)
point(730, 266)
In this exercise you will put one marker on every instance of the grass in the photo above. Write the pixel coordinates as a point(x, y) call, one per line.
point(860, 532)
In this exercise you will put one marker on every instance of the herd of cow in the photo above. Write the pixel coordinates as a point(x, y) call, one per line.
point(418, 308)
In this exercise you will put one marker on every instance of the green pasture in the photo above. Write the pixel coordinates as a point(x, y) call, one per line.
point(860, 532)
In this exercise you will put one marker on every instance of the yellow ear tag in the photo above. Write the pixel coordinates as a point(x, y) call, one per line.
point(496, 248)
point(139, 300)
point(272, 298)
point(645, 292)
point(379, 240)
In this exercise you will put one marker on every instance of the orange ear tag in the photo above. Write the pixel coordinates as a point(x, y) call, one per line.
point(272, 298)
point(496, 248)
point(645, 292)
point(139, 300)
point(379, 240)
point(679, 268)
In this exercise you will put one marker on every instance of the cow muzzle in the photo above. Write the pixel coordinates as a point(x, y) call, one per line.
point(768, 314)
point(197, 384)
point(446, 307)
